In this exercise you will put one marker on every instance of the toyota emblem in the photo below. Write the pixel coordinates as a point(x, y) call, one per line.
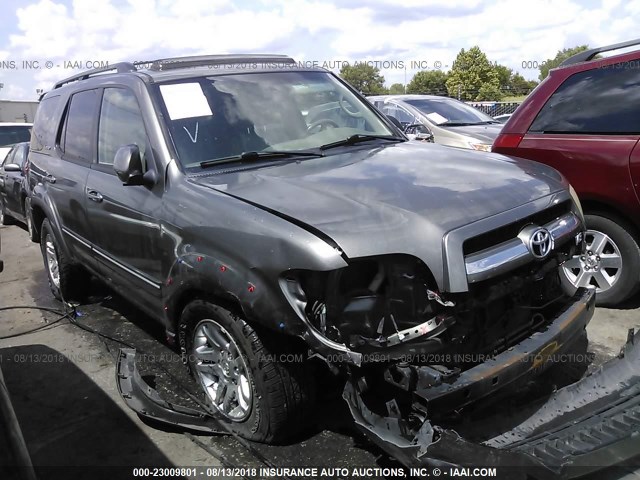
point(540, 243)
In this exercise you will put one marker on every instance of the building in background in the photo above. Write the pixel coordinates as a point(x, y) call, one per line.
point(17, 111)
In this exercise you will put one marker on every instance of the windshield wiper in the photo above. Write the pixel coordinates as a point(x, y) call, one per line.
point(359, 137)
point(456, 124)
point(265, 155)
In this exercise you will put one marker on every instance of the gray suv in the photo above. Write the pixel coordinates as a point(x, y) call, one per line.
point(274, 222)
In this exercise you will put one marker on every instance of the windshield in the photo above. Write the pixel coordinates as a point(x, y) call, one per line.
point(225, 116)
point(447, 110)
point(10, 134)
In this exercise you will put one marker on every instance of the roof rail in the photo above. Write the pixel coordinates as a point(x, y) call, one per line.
point(120, 67)
point(180, 62)
point(589, 54)
point(204, 60)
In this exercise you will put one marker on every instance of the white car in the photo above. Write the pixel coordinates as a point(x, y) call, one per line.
point(503, 118)
point(12, 133)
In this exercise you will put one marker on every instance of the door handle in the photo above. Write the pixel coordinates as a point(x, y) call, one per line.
point(50, 178)
point(95, 196)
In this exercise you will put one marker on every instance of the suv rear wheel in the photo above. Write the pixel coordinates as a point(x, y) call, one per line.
point(67, 281)
point(242, 373)
point(31, 229)
point(611, 262)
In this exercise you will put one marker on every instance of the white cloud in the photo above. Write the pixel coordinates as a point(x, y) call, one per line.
point(508, 31)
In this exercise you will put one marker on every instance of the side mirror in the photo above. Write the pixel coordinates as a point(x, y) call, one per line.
point(420, 132)
point(128, 166)
point(425, 137)
point(417, 128)
point(12, 167)
point(396, 122)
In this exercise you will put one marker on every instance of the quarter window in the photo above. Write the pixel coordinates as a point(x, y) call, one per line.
point(44, 125)
point(598, 101)
point(120, 124)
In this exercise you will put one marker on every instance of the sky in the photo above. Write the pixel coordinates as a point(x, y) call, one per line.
point(44, 41)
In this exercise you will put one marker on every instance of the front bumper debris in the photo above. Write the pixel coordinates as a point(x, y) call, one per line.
point(584, 427)
point(145, 401)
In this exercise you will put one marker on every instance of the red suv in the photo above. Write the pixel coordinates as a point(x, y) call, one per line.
point(584, 120)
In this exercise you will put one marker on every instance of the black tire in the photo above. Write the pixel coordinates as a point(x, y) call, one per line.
point(282, 392)
point(628, 281)
point(74, 280)
point(34, 235)
point(5, 219)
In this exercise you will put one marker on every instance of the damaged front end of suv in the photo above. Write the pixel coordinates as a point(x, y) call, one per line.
point(415, 355)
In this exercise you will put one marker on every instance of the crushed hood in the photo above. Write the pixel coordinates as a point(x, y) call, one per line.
point(380, 200)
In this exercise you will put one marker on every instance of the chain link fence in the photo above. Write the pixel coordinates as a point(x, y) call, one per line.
point(493, 109)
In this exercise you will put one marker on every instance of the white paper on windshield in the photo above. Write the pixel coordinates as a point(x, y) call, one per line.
point(436, 118)
point(185, 100)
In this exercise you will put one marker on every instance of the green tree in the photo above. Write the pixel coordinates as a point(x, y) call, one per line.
point(504, 76)
point(396, 89)
point(432, 82)
point(473, 77)
point(518, 85)
point(560, 57)
point(364, 78)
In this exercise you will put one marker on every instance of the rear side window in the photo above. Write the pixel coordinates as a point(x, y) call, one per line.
point(120, 124)
point(77, 136)
point(44, 125)
point(598, 101)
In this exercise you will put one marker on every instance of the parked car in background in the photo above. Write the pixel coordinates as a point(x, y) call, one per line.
point(503, 118)
point(12, 133)
point(452, 122)
point(584, 120)
point(14, 188)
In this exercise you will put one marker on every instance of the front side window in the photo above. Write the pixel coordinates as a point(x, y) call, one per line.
point(598, 101)
point(77, 136)
point(20, 155)
point(120, 124)
point(404, 117)
point(227, 115)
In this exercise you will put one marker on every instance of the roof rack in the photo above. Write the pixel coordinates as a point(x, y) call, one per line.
point(204, 60)
point(180, 62)
point(589, 54)
point(121, 67)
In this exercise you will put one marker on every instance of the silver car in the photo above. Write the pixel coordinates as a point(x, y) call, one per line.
point(450, 121)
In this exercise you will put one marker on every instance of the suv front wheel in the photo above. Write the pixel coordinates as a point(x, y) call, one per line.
point(261, 389)
point(611, 262)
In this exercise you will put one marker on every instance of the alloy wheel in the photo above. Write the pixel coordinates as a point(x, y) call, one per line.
point(600, 266)
point(29, 225)
point(222, 370)
point(52, 261)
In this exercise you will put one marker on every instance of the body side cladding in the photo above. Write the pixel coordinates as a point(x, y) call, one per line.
point(40, 200)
